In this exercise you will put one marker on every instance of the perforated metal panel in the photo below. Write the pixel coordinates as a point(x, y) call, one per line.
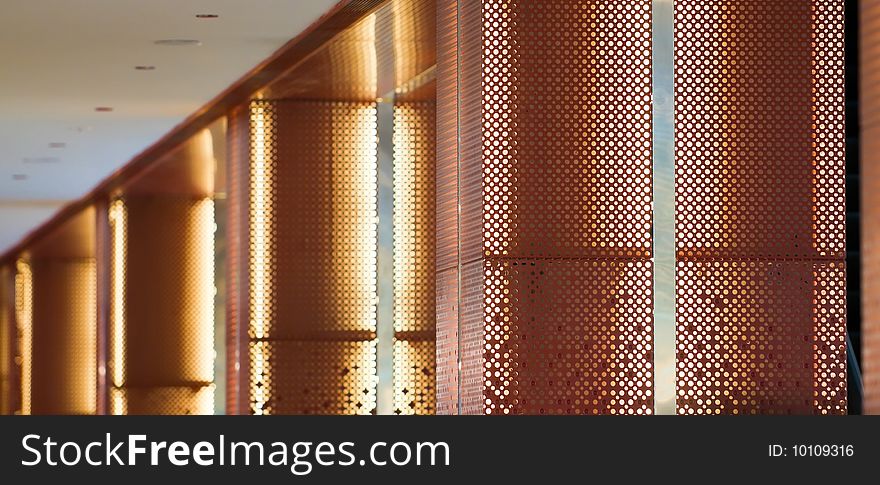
point(312, 257)
point(760, 235)
point(319, 376)
point(162, 400)
point(568, 337)
point(553, 181)
point(162, 306)
point(63, 332)
point(238, 168)
point(414, 258)
point(869, 100)
point(7, 365)
point(447, 209)
point(24, 311)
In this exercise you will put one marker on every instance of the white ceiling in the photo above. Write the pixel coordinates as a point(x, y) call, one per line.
point(61, 59)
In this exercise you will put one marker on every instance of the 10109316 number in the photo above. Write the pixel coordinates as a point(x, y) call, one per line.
point(811, 450)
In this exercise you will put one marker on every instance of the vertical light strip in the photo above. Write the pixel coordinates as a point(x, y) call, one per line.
point(405, 240)
point(414, 258)
point(85, 318)
point(354, 184)
point(260, 229)
point(117, 303)
point(664, 208)
point(203, 261)
point(355, 213)
point(24, 318)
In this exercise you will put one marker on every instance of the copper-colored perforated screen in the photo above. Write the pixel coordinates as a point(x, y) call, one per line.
point(62, 377)
point(414, 257)
point(760, 272)
point(545, 145)
point(312, 257)
point(237, 254)
point(162, 305)
point(24, 311)
point(446, 270)
point(6, 342)
point(869, 100)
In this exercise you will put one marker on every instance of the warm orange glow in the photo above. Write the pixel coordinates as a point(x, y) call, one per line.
point(196, 325)
point(77, 311)
point(413, 387)
point(411, 175)
point(260, 229)
point(344, 293)
point(355, 220)
point(414, 278)
point(24, 313)
point(201, 257)
point(565, 210)
point(117, 299)
point(760, 265)
point(355, 217)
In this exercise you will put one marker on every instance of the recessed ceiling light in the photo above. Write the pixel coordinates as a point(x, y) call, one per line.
point(19, 176)
point(145, 68)
point(178, 42)
point(206, 15)
point(104, 109)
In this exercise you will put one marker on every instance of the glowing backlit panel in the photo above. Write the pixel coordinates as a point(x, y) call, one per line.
point(63, 333)
point(312, 257)
point(869, 51)
point(162, 305)
point(552, 176)
point(414, 257)
point(760, 217)
point(24, 311)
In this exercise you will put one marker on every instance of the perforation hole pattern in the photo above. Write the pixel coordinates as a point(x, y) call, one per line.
point(162, 401)
point(568, 337)
point(566, 284)
point(760, 207)
point(414, 215)
point(64, 336)
point(566, 129)
point(414, 377)
point(414, 258)
point(318, 377)
point(164, 310)
point(6, 333)
point(759, 146)
point(747, 343)
point(24, 307)
point(312, 256)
